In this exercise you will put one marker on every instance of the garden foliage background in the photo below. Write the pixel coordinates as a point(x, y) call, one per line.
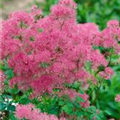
point(103, 98)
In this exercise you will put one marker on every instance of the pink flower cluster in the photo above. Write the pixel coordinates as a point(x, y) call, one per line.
point(31, 113)
point(47, 52)
point(117, 98)
point(110, 36)
point(107, 73)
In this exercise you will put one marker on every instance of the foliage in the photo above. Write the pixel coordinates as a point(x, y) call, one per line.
point(55, 68)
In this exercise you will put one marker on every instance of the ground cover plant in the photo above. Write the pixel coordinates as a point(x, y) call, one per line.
point(54, 68)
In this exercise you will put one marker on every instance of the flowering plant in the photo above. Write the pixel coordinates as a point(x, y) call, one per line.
point(54, 58)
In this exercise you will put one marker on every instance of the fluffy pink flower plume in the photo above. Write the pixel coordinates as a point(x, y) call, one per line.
point(107, 73)
point(31, 113)
point(47, 52)
point(117, 98)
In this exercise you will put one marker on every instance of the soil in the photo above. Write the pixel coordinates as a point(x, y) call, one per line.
point(10, 6)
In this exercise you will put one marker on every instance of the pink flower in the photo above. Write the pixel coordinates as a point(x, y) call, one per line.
point(30, 112)
point(107, 74)
point(35, 11)
point(117, 98)
point(43, 84)
point(98, 59)
point(68, 3)
point(113, 23)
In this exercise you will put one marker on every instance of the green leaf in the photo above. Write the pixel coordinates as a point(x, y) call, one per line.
point(61, 103)
point(79, 99)
point(14, 90)
point(44, 65)
point(11, 108)
point(93, 95)
point(2, 106)
point(40, 30)
point(91, 109)
point(5, 66)
point(68, 108)
point(32, 39)
point(108, 112)
point(1, 66)
point(9, 73)
point(24, 100)
point(12, 116)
